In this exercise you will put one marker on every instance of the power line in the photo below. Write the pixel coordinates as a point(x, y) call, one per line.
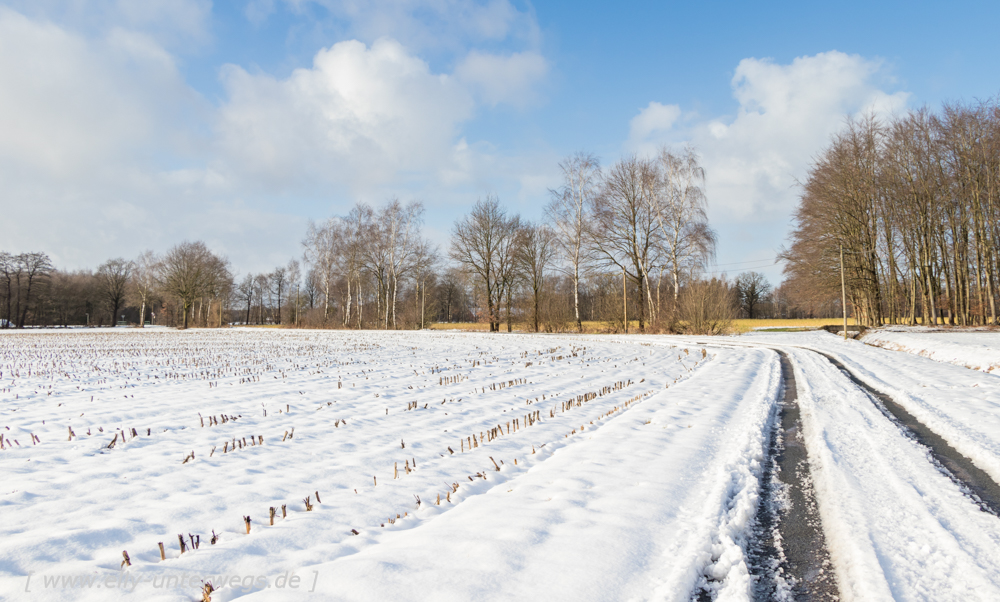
point(772, 261)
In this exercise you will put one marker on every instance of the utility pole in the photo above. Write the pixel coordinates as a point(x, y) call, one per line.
point(624, 300)
point(843, 289)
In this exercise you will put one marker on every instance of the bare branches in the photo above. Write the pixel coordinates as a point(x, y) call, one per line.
point(568, 213)
point(624, 232)
point(914, 202)
point(189, 271)
point(483, 242)
point(114, 276)
point(534, 255)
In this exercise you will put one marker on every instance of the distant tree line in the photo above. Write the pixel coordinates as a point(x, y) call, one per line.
point(188, 285)
point(910, 207)
point(626, 244)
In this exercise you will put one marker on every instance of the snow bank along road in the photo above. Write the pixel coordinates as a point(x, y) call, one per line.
point(453, 466)
point(975, 348)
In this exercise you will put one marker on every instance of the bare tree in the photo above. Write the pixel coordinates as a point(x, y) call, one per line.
point(483, 242)
point(262, 289)
point(624, 232)
point(189, 271)
point(425, 260)
point(245, 293)
point(396, 228)
point(294, 283)
point(356, 233)
point(752, 288)
point(680, 206)
point(568, 212)
point(143, 282)
point(320, 251)
point(534, 255)
point(8, 270)
point(114, 276)
point(841, 208)
point(279, 280)
point(707, 306)
point(28, 271)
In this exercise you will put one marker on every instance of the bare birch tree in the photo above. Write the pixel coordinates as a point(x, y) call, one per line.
point(144, 282)
point(624, 232)
point(680, 206)
point(568, 212)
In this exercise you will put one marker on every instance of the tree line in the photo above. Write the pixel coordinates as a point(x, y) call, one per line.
point(624, 239)
point(188, 285)
point(621, 245)
point(910, 207)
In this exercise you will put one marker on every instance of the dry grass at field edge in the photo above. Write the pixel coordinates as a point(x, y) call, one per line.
point(594, 327)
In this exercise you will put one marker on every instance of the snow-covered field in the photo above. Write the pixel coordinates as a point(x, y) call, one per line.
point(462, 466)
point(626, 466)
point(975, 349)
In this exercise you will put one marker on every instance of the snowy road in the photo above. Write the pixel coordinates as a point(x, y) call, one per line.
point(898, 527)
point(567, 467)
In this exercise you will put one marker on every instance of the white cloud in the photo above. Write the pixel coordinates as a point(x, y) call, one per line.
point(358, 117)
point(107, 150)
point(655, 119)
point(511, 79)
point(786, 115)
point(96, 134)
point(257, 11)
point(174, 23)
point(69, 106)
point(430, 24)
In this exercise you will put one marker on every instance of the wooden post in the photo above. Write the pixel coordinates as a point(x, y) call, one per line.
point(624, 300)
point(843, 289)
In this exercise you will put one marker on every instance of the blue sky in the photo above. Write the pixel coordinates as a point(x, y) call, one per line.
point(137, 124)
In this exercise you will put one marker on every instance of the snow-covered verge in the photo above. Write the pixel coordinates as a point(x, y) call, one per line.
point(628, 468)
point(897, 528)
point(975, 349)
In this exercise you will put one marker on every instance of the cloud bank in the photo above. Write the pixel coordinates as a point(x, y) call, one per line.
point(107, 150)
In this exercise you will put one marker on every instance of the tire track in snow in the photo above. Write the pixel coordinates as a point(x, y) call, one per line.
point(788, 555)
point(974, 481)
